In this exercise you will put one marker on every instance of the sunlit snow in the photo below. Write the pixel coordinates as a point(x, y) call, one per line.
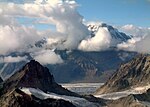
point(79, 102)
point(117, 95)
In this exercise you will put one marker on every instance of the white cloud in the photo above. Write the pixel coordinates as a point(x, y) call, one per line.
point(47, 57)
point(139, 42)
point(100, 41)
point(134, 30)
point(70, 32)
point(143, 45)
point(16, 38)
point(10, 59)
point(130, 45)
point(62, 14)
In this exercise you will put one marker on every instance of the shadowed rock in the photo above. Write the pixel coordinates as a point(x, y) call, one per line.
point(34, 75)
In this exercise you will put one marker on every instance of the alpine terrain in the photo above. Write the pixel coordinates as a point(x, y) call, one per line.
point(78, 65)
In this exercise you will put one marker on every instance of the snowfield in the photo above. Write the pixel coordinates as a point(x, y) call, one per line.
point(117, 95)
point(82, 88)
point(85, 88)
point(79, 102)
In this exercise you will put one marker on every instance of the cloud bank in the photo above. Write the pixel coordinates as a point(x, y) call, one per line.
point(70, 32)
point(10, 59)
point(47, 57)
point(139, 42)
point(100, 41)
point(18, 38)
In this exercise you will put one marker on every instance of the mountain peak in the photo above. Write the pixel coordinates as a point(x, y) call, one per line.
point(33, 62)
point(34, 75)
point(117, 36)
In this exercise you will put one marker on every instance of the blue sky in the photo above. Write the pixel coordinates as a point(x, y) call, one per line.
point(116, 12)
point(113, 12)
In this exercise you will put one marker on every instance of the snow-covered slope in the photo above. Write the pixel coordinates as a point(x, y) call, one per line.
point(117, 95)
point(79, 102)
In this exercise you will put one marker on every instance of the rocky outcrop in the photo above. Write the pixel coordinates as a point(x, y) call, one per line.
point(1, 80)
point(17, 98)
point(1, 83)
point(132, 74)
point(32, 75)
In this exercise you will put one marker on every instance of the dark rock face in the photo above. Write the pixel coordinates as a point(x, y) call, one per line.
point(144, 97)
point(17, 98)
point(1, 83)
point(133, 73)
point(1, 80)
point(34, 75)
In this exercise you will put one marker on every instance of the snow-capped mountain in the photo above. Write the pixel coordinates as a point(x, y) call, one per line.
point(117, 36)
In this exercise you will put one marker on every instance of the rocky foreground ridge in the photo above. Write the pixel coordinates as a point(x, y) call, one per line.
point(132, 74)
point(32, 75)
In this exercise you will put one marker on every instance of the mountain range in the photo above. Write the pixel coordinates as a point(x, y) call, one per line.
point(81, 66)
point(33, 85)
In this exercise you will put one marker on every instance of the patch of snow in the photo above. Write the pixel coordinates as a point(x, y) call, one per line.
point(79, 102)
point(5, 65)
point(117, 95)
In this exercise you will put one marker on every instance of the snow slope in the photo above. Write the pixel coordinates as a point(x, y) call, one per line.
point(117, 95)
point(79, 102)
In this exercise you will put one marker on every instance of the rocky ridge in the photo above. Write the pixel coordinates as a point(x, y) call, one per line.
point(129, 75)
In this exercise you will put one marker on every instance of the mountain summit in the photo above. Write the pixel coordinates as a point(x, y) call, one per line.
point(117, 36)
point(38, 81)
point(34, 75)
